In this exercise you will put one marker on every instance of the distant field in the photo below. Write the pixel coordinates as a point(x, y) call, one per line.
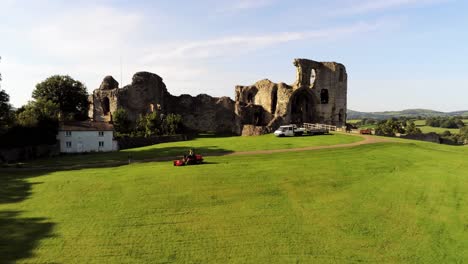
point(381, 203)
point(421, 124)
point(353, 121)
point(204, 144)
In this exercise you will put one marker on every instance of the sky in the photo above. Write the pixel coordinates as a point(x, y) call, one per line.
point(399, 54)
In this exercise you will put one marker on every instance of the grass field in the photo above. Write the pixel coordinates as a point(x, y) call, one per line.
point(421, 124)
point(381, 203)
point(204, 144)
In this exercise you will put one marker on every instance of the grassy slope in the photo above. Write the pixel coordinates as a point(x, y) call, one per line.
point(388, 202)
point(203, 145)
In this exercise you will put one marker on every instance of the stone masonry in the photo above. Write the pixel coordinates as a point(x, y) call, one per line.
point(319, 95)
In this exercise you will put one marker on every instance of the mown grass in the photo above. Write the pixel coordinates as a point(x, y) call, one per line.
point(384, 203)
point(204, 144)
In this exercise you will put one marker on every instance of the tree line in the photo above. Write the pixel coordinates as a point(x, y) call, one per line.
point(394, 126)
point(61, 98)
point(151, 124)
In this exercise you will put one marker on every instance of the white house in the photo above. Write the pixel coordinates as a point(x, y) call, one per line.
point(86, 136)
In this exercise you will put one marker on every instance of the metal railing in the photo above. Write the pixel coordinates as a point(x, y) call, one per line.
point(309, 126)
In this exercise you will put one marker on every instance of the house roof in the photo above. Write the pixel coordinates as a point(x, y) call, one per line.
point(86, 126)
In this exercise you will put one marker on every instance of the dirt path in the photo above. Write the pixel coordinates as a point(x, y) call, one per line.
point(367, 140)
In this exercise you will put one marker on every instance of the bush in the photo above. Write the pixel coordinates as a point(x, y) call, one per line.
point(172, 124)
point(122, 124)
point(389, 128)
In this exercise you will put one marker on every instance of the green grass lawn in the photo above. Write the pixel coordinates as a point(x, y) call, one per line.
point(383, 203)
point(203, 144)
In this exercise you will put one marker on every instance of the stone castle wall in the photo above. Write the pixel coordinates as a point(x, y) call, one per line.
point(319, 95)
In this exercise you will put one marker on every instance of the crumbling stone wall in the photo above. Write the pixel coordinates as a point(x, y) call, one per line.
point(205, 113)
point(148, 93)
point(319, 95)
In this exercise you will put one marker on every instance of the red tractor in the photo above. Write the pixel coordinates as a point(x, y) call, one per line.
point(189, 160)
point(365, 131)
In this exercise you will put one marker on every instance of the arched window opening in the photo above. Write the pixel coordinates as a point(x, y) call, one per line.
point(258, 119)
point(106, 106)
point(301, 108)
point(324, 96)
point(313, 77)
point(274, 101)
point(250, 98)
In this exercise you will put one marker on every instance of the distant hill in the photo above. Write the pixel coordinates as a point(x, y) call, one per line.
point(409, 113)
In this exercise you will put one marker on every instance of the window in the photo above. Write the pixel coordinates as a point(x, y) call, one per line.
point(105, 106)
point(68, 144)
point(68, 133)
point(101, 144)
point(313, 76)
point(341, 77)
point(341, 115)
point(324, 96)
point(101, 133)
point(250, 98)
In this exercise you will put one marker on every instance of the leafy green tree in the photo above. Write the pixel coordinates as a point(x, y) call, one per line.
point(464, 133)
point(148, 125)
point(411, 129)
point(389, 128)
point(69, 94)
point(172, 124)
point(122, 123)
point(6, 113)
point(37, 113)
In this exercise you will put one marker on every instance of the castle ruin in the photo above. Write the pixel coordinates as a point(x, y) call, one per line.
point(319, 95)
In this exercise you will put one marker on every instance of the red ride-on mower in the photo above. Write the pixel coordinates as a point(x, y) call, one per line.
point(189, 160)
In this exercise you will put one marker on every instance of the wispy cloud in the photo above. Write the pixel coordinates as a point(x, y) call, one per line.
point(86, 32)
point(242, 5)
point(367, 6)
point(250, 4)
point(236, 45)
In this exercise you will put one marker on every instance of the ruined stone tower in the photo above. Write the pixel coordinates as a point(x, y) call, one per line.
point(318, 96)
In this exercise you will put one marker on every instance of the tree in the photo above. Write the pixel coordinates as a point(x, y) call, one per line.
point(464, 133)
point(37, 113)
point(149, 124)
point(411, 129)
point(171, 124)
point(6, 114)
point(70, 95)
point(389, 128)
point(122, 123)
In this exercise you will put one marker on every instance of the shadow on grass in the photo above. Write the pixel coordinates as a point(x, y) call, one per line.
point(115, 159)
point(19, 236)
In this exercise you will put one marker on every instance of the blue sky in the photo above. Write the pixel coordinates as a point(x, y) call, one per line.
point(399, 53)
